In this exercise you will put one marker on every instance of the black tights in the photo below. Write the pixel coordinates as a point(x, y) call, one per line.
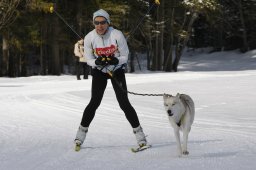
point(99, 83)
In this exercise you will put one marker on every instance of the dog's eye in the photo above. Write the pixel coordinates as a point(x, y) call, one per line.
point(173, 104)
point(165, 104)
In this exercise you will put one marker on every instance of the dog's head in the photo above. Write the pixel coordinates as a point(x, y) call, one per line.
point(172, 104)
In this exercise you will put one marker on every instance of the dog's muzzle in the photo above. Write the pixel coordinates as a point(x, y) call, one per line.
point(169, 112)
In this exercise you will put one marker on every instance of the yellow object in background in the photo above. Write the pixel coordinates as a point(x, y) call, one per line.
point(51, 9)
point(157, 2)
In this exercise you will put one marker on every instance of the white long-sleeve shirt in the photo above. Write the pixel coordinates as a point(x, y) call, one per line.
point(79, 51)
point(113, 42)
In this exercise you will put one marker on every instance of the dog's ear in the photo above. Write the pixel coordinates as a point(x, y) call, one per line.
point(178, 95)
point(165, 96)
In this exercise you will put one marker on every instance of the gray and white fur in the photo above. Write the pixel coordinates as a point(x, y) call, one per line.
point(181, 112)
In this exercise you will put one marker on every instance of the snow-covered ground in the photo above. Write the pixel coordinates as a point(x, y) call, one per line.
point(39, 117)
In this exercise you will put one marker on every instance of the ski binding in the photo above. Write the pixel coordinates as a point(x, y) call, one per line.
point(77, 146)
point(140, 148)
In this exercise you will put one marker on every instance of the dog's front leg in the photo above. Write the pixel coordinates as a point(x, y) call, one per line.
point(185, 142)
point(177, 136)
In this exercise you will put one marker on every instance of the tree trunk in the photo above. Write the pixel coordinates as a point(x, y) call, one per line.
point(158, 51)
point(55, 65)
point(183, 42)
point(155, 44)
point(5, 59)
point(12, 65)
point(149, 54)
point(43, 50)
point(168, 60)
point(245, 41)
point(132, 57)
point(161, 40)
point(23, 66)
point(155, 52)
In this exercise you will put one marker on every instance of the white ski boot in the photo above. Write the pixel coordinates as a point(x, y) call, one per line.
point(141, 140)
point(140, 136)
point(80, 137)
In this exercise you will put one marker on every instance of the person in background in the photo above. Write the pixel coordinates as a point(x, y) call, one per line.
point(107, 53)
point(81, 60)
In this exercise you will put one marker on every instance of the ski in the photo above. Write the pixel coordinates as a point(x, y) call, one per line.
point(140, 148)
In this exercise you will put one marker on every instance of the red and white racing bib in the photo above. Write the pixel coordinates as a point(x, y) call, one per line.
point(107, 51)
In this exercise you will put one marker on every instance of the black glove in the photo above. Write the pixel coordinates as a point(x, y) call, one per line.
point(112, 60)
point(101, 61)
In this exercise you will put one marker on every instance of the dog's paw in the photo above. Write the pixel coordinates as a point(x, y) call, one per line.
point(185, 152)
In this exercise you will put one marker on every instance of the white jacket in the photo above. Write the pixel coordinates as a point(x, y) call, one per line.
point(79, 51)
point(113, 42)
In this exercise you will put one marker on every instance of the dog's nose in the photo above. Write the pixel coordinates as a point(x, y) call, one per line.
point(169, 112)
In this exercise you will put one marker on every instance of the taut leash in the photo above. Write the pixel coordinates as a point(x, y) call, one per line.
point(111, 74)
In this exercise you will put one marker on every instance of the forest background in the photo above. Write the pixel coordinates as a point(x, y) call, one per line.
point(37, 41)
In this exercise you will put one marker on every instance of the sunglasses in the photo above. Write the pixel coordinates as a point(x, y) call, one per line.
point(100, 22)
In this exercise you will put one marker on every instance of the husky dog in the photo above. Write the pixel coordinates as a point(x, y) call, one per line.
point(181, 112)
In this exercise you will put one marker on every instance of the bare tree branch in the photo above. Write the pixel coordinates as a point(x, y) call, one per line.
point(8, 12)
